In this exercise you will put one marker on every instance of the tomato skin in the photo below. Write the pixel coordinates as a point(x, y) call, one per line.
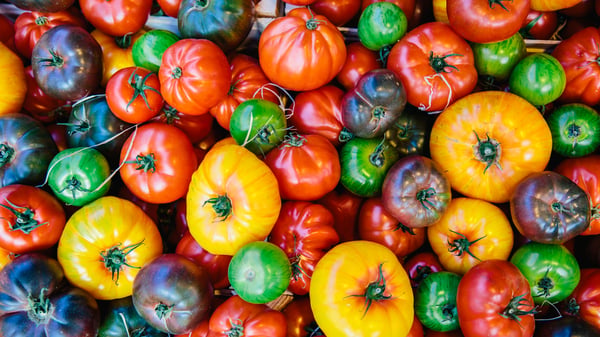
point(410, 132)
point(313, 56)
point(420, 265)
point(194, 75)
point(170, 7)
point(120, 318)
point(300, 319)
point(407, 6)
point(435, 301)
point(339, 12)
point(306, 166)
point(116, 17)
point(528, 75)
point(437, 82)
point(216, 265)
point(197, 128)
point(574, 130)
point(148, 49)
point(133, 95)
point(345, 207)
point(552, 5)
point(484, 295)
point(583, 301)
point(359, 60)
point(7, 32)
point(40, 105)
point(539, 25)
point(116, 52)
point(13, 90)
point(497, 59)
point(381, 24)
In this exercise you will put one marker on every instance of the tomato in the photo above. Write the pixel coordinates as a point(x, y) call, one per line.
point(120, 319)
point(116, 52)
point(356, 287)
point(416, 191)
point(407, 6)
point(39, 105)
point(410, 132)
point(148, 49)
point(481, 145)
point(133, 95)
point(497, 59)
point(300, 319)
point(495, 297)
point(7, 32)
point(550, 208)
point(364, 164)
point(304, 231)
point(422, 13)
point(359, 60)
point(339, 12)
point(381, 24)
point(216, 265)
point(574, 128)
point(539, 25)
point(440, 10)
point(579, 10)
point(420, 265)
point(236, 316)
point(158, 163)
point(47, 6)
point(13, 88)
point(469, 232)
point(247, 81)
point(378, 225)
point(117, 17)
point(435, 64)
point(233, 199)
point(301, 51)
point(345, 207)
point(67, 62)
point(258, 125)
point(374, 104)
point(306, 166)
point(552, 5)
point(319, 111)
point(194, 75)
point(35, 300)
point(169, 7)
point(539, 78)
point(435, 301)
point(104, 245)
point(26, 150)
point(583, 301)
point(576, 54)
point(172, 293)
point(485, 21)
point(552, 271)
point(565, 326)
point(196, 127)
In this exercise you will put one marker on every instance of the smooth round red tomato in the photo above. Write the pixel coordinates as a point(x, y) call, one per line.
point(583, 301)
point(116, 17)
point(133, 95)
point(300, 319)
point(339, 12)
point(359, 61)
point(170, 7)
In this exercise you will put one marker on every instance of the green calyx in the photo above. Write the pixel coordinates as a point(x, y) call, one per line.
point(462, 245)
point(24, 218)
point(144, 162)
point(115, 257)
point(375, 291)
point(6, 154)
point(513, 309)
point(221, 206)
point(40, 310)
point(487, 151)
point(138, 84)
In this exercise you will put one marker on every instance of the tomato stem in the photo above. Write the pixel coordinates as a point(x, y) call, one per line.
point(545, 284)
point(170, 114)
point(55, 61)
point(345, 135)
point(163, 311)
point(144, 162)
point(449, 312)
point(513, 311)
point(377, 157)
point(375, 291)
point(424, 195)
point(115, 258)
point(499, 2)
point(404, 228)
point(221, 206)
point(439, 64)
point(462, 245)
point(293, 139)
point(422, 273)
point(40, 309)
point(74, 185)
point(237, 328)
point(138, 84)
point(81, 127)
point(572, 307)
point(6, 154)
point(41, 20)
point(487, 151)
point(176, 73)
point(25, 221)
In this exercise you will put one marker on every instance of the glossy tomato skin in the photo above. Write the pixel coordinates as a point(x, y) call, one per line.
point(339, 12)
point(172, 293)
point(381, 24)
point(133, 95)
point(345, 207)
point(116, 52)
point(196, 127)
point(315, 54)
point(216, 265)
point(539, 25)
point(300, 319)
point(550, 208)
point(497, 59)
point(26, 150)
point(14, 88)
point(552, 5)
point(436, 71)
point(583, 301)
point(120, 318)
point(574, 129)
point(495, 297)
point(375, 102)
point(306, 166)
point(528, 75)
point(410, 132)
point(359, 60)
point(116, 18)
point(148, 49)
point(40, 105)
point(435, 301)
point(46, 6)
point(416, 191)
point(420, 265)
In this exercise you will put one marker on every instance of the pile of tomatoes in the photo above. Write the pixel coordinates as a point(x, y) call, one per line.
point(343, 168)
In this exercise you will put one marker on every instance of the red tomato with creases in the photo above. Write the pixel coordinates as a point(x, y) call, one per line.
point(539, 25)
point(116, 17)
point(196, 127)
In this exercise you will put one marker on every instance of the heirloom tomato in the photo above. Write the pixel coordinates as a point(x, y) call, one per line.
point(359, 60)
point(45, 6)
point(300, 319)
point(381, 24)
point(345, 207)
point(577, 55)
point(539, 78)
point(552, 5)
point(301, 50)
point(548, 207)
point(7, 32)
point(157, 163)
point(407, 6)
point(378, 225)
point(216, 265)
point(575, 129)
point(435, 301)
point(482, 144)
point(148, 49)
point(133, 94)
point(233, 199)
point(583, 301)
point(194, 75)
point(121, 319)
point(36, 301)
point(410, 132)
point(339, 12)
point(116, 17)
point(494, 297)
point(306, 166)
point(585, 172)
point(13, 87)
point(435, 64)
point(416, 191)
point(497, 59)
point(551, 269)
point(196, 127)
point(40, 105)
point(105, 243)
point(355, 289)
point(539, 25)
point(420, 265)
point(469, 232)
point(116, 52)
point(32, 219)
point(304, 231)
point(484, 21)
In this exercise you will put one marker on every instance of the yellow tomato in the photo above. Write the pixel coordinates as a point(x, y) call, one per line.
point(552, 5)
point(116, 52)
point(360, 289)
point(105, 243)
point(233, 199)
point(13, 86)
point(470, 231)
point(487, 142)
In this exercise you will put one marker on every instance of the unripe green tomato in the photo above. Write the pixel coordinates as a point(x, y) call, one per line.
point(148, 49)
point(381, 24)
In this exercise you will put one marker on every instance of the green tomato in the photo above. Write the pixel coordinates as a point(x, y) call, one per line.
point(76, 175)
point(381, 24)
point(364, 164)
point(258, 125)
point(551, 269)
point(497, 59)
point(539, 78)
point(435, 301)
point(575, 130)
point(259, 272)
point(148, 49)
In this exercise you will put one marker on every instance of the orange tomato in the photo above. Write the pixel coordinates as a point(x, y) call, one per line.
point(440, 12)
point(116, 52)
point(13, 86)
point(487, 142)
point(552, 5)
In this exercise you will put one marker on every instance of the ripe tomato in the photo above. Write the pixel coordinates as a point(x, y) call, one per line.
point(158, 161)
point(216, 265)
point(552, 5)
point(133, 95)
point(339, 12)
point(482, 144)
point(497, 59)
point(196, 127)
point(359, 60)
point(40, 105)
point(301, 51)
point(7, 32)
point(13, 87)
point(539, 25)
point(300, 319)
point(469, 232)
point(104, 244)
point(116, 17)
point(345, 207)
point(355, 289)
point(583, 301)
point(116, 52)
point(420, 265)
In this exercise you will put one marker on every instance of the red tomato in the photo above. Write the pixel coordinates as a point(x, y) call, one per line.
point(416, 329)
point(378, 225)
point(435, 64)
point(345, 207)
point(169, 7)
point(582, 9)
point(423, 13)
point(539, 25)
point(420, 265)
point(339, 12)
point(116, 17)
point(194, 75)
point(583, 301)
point(40, 105)
point(301, 51)
point(158, 161)
point(195, 127)
point(300, 319)
point(133, 95)
point(216, 265)
point(7, 32)
point(307, 167)
point(407, 6)
point(359, 60)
